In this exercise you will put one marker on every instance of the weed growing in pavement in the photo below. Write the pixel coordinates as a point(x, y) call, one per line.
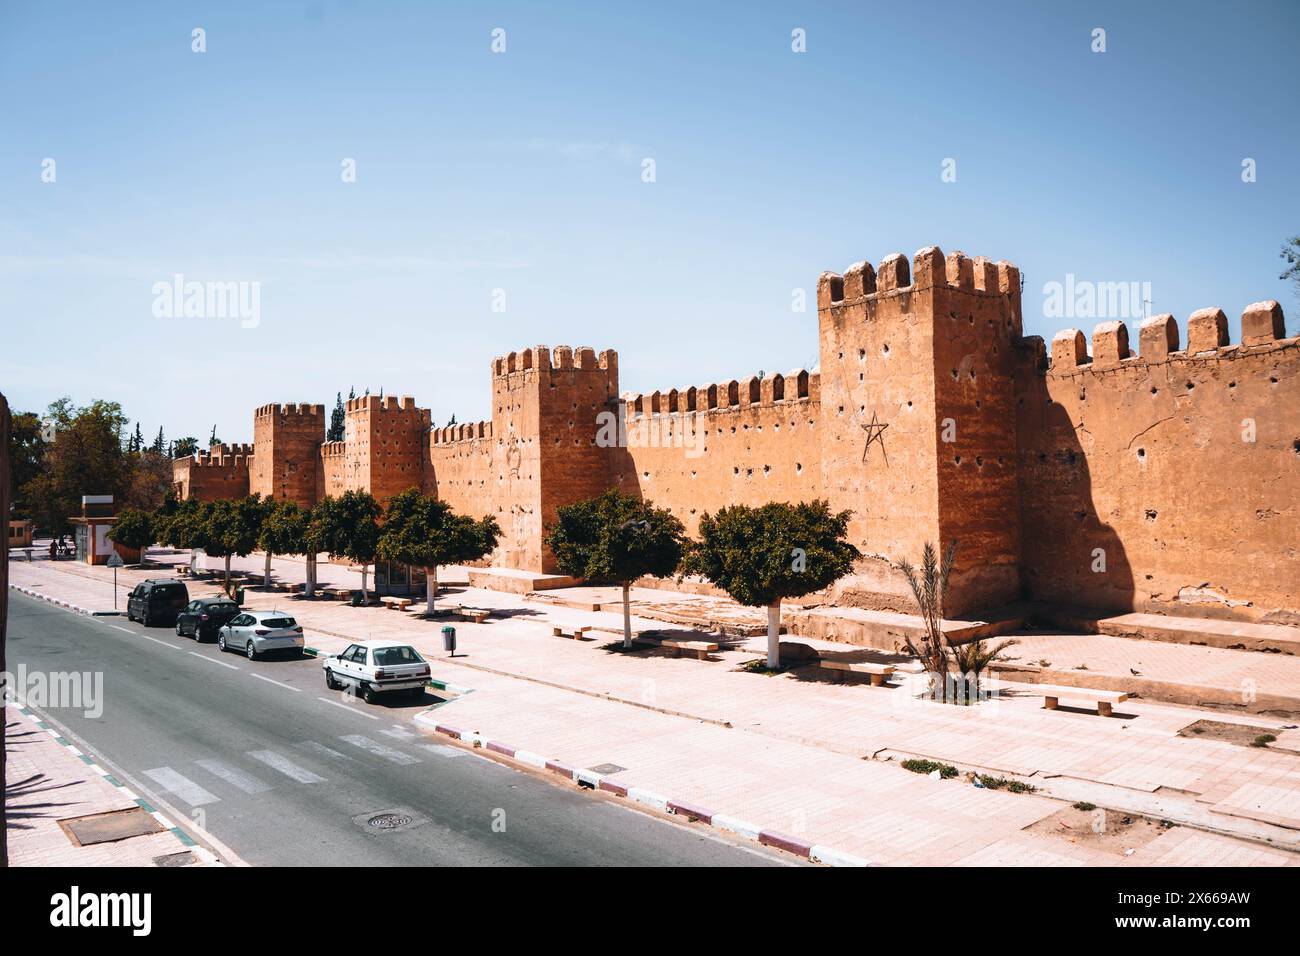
point(946, 770)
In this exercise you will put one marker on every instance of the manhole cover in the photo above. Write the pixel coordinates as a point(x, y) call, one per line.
point(605, 769)
point(388, 821)
point(184, 858)
point(110, 827)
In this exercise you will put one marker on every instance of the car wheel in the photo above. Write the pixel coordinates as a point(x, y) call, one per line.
point(330, 682)
point(129, 615)
point(250, 651)
point(369, 694)
point(179, 631)
point(221, 643)
point(144, 619)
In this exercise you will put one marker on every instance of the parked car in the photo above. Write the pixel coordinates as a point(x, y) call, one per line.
point(260, 632)
point(372, 668)
point(152, 602)
point(201, 618)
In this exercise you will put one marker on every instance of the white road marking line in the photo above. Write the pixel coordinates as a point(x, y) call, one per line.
point(324, 751)
point(296, 690)
point(398, 733)
point(443, 750)
point(379, 750)
point(285, 766)
point(182, 787)
point(124, 630)
point(163, 643)
point(349, 709)
point(212, 660)
point(234, 776)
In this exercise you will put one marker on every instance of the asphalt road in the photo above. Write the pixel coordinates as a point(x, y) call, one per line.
point(285, 772)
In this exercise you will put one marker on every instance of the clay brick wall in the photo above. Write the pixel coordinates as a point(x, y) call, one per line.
point(385, 445)
point(695, 450)
point(1146, 457)
point(222, 473)
point(331, 470)
point(286, 439)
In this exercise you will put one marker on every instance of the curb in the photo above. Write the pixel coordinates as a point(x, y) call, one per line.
point(204, 855)
point(591, 780)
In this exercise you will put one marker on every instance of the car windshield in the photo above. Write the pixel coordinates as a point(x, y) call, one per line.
point(223, 608)
point(278, 622)
point(389, 656)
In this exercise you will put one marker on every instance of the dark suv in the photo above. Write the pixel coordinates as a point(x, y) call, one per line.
point(153, 602)
point(202, 616)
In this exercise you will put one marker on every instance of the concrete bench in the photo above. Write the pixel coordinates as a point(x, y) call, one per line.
point(400, 603)
point(476, 615)
point(342, 594)
point(675, 646)
point(1103, 699)
point(877, 672)
point(574, 633)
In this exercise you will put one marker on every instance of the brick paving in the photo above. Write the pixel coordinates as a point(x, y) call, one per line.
point(48, 781)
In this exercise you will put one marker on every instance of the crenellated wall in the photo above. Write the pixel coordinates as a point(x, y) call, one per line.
point(1164, 479)
point(223, 472)
point(385, 445)
point(286, 438)
point(697, 449)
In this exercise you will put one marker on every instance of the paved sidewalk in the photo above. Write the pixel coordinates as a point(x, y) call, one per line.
point(49, 780)
point(795, 753)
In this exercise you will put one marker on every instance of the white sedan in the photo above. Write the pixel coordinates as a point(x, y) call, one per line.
point(257, 632)
point(371, 668)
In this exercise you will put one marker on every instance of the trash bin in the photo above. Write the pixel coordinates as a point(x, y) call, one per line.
point(449, 640)
point(356, 599)
point(239, 595)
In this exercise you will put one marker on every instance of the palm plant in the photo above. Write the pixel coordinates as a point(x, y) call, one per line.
point(929, 587)
point(972, 658)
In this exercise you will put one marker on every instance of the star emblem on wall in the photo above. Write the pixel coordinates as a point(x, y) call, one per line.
point(875, 433)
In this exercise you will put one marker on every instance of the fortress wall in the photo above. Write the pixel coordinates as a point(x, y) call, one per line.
point(698, 449)
point(1178, 465)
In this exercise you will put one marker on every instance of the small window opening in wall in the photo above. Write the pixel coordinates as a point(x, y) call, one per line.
point(956, 459)
point(886, 348)
point(767, 469)
point(1190, 386)
point(1154, 390)
point(1232, 385)
point(1142, 454)
point(1151, 514)
point(736, 470)
point(798, 467)
point(954, 375)
point(862, 353)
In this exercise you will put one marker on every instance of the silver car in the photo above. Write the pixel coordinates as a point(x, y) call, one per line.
point(258, 632)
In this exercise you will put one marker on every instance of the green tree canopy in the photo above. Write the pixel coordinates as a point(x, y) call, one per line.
point(284, 529)
point(133, 529)
point(425, 532)
point(86, 457)
point(614, 539)
point(338, 421)
point(761, 556)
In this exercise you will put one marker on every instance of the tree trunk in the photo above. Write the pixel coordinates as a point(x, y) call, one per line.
point(430, 589)
point(229, 593)
point(310, 589)
point(365, 595)
point(774, 635)
point(627, 618)
point(266, 578)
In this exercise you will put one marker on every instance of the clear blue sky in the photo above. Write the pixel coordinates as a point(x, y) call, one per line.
point(522, 171)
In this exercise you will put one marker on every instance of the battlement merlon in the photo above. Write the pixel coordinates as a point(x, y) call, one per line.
point(795, 385)
point(386, 404)
point(1262, 325)
point(929, 268)
point(540, 357)
point(461, 432)
point(299, 410)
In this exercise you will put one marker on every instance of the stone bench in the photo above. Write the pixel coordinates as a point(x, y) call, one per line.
point(574, 633)
point(1103, 699)
point(475, 615)
point(675, 646)
point(342, 594)
point(877, 672)
point(400, 603)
